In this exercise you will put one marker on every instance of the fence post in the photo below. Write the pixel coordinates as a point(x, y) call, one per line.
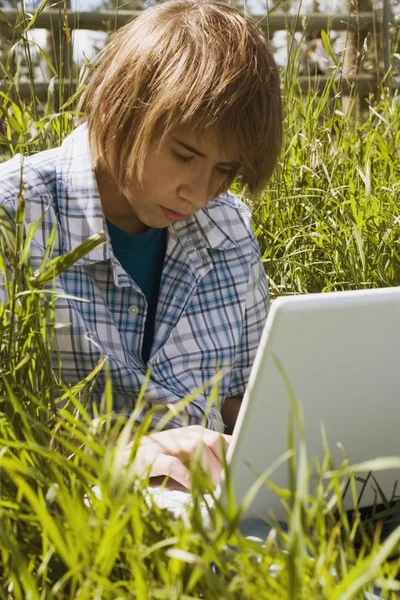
point(387, 17)
point(59, 46)
point(353, 51)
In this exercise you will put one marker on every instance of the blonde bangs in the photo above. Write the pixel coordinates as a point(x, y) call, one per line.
point(185, 63)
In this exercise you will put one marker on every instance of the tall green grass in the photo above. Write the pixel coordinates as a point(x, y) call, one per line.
point(328, 220)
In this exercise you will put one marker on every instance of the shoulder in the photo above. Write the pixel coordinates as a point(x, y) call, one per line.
point(231, 207)
point(34, 175)
point(231, 217)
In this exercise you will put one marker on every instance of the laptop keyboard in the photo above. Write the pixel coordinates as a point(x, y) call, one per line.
point(176, 501)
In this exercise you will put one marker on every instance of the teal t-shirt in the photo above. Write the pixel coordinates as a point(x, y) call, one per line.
point(142, 256)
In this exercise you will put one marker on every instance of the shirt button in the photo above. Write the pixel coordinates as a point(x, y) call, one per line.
point(133, 310)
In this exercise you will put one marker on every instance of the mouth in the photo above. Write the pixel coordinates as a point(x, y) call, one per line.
point(172, 215)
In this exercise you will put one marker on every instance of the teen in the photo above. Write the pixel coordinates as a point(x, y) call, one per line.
point(184, 100)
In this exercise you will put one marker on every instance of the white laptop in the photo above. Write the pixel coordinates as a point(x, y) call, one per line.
point(340, 352)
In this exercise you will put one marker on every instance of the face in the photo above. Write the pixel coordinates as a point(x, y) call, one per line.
point(178, 180)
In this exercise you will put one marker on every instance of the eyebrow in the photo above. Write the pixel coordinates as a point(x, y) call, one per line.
point(196, 151)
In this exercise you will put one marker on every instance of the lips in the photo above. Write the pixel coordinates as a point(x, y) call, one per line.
point(173, 215)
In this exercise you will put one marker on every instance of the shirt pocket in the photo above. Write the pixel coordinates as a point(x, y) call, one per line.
point(76, 348)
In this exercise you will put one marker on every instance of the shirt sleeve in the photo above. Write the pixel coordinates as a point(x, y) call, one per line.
point(256, 310)
point(10, 175)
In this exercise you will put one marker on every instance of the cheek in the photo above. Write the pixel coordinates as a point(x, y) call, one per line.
point(219, 184)
point(160, 177)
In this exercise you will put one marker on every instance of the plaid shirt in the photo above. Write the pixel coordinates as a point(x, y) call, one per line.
point(213, 297)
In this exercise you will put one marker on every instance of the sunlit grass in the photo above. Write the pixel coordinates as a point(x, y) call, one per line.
point(329, 220)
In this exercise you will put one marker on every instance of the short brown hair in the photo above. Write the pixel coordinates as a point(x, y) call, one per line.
point(185, 62)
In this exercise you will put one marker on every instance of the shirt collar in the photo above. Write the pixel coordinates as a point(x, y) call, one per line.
point(81, 214)
point(79, 205)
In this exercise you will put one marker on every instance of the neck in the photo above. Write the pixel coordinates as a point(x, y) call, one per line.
point(116, 207)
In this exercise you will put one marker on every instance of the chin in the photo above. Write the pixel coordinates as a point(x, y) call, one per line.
point(160, 223)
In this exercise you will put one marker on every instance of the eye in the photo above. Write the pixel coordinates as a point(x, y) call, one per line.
point(181, 157)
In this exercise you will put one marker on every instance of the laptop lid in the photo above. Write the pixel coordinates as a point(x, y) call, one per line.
point(341, 354)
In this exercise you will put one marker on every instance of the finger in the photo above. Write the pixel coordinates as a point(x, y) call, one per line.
point(217, 443)
point(210, 464)
point(171, 466)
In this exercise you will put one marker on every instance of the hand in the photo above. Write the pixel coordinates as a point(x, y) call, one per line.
point(166, 452)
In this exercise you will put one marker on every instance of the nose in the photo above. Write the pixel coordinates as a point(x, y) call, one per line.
point(196, 190)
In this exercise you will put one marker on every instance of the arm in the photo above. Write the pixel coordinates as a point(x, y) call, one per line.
point(256, 310)
point(229, 412)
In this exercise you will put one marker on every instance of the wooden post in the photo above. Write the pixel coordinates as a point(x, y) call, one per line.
point(315, 6)
point(387, 17)
point(59, 44)
point(352, 61)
